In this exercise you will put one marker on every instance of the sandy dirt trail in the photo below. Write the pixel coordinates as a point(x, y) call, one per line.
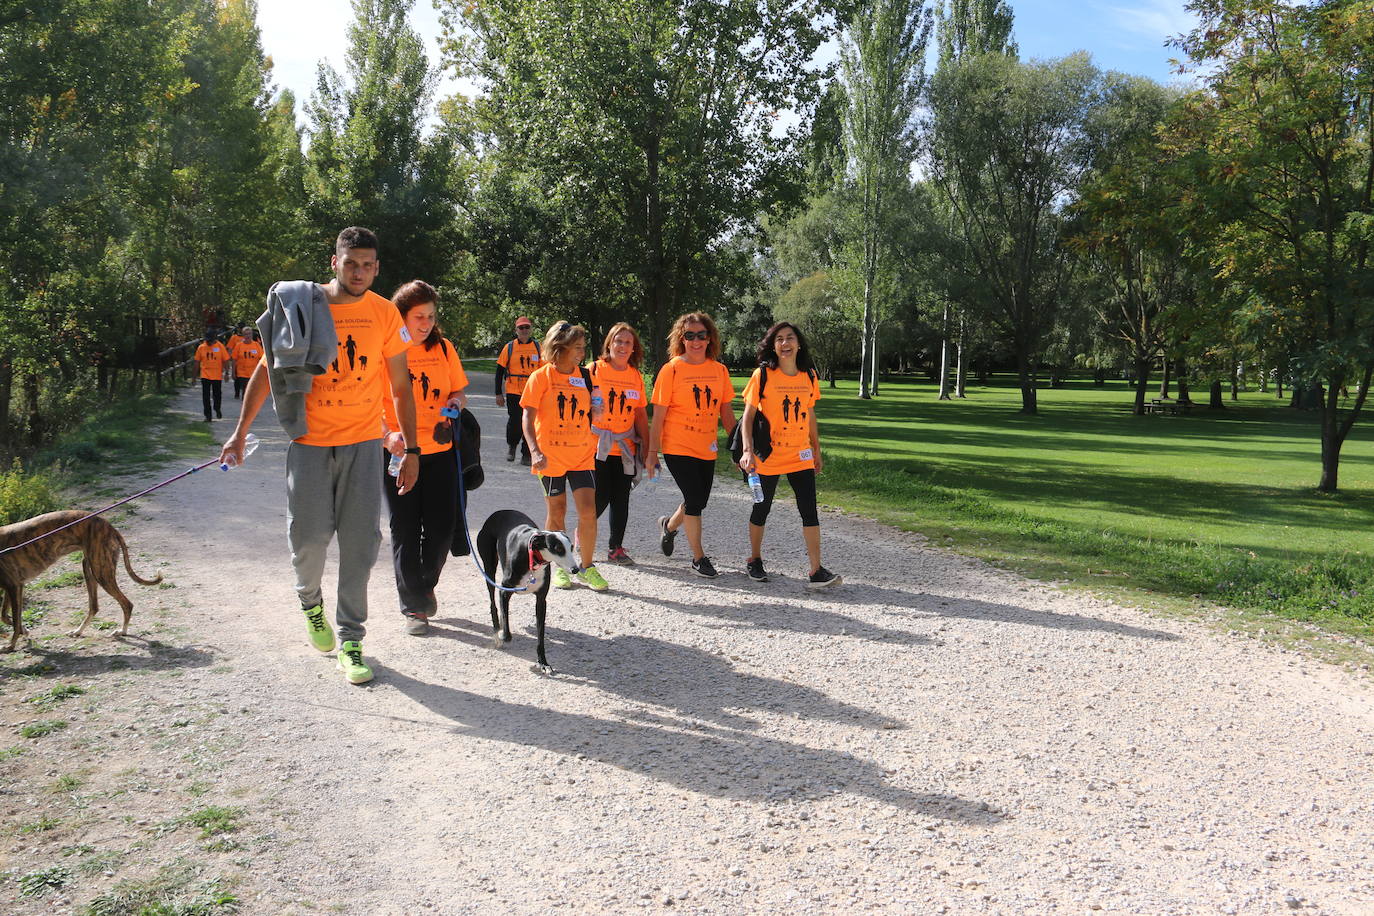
point(934, 736)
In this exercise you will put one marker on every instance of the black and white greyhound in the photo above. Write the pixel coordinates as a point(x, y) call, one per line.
point(523, 552)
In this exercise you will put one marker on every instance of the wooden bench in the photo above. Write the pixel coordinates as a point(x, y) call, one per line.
point(1168, 406)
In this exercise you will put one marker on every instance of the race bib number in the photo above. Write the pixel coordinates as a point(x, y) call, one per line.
point(405, 333)
point(714, 448)
point(577, 381)
point(632, 395)
point(805, 454)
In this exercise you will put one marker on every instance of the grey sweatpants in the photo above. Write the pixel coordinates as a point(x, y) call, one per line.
point(333, 490)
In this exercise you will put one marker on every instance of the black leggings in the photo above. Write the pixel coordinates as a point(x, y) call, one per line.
point(515, 416)
point(613, 489)
point(694, 477)
point(803, 485)
point(422, 528)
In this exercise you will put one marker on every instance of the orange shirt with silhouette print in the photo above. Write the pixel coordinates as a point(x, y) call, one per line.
point(247, 353)
point(433, 374)
point(692, 395)
point(519, 360)
point(212, 358)
point(561, 429)
point(788, 402)
point(344, 405)
point(623, 391)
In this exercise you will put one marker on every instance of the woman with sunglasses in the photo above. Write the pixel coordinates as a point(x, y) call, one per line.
point(422, 519)
point(692, 395)
point(559, 413)
point(786, 390)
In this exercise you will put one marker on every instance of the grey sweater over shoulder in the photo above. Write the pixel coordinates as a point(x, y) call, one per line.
point(299, 342)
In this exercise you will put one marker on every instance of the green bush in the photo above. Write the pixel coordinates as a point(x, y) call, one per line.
point(24, 495)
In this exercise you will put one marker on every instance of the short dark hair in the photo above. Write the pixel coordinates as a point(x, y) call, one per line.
point(356, 237)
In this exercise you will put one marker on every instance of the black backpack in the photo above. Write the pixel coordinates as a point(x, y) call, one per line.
point(763, 431)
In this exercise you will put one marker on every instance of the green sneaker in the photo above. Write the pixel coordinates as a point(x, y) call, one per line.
point(591, 577)
point(351, 663)
point(561, 579)
point(321, 633)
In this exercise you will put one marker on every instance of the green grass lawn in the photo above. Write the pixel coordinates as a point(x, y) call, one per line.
point(1217, 504)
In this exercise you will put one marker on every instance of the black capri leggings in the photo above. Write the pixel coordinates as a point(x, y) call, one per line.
point(803, 485)
point(693, 477)
point(613, 489)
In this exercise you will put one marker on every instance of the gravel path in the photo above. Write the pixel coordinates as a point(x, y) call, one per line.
point(935, 736)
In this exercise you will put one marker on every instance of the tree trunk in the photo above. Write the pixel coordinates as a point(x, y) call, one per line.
point(1280, 377)
point(1026, 376)
point(944, 356)
point(866, 344)
point(1164, 377)
point(31, 409)
point(6, 387)
point(657, 288)
point(1214, 400)
point(1181, 377)
point(1142, 382)
point(960, 370)
point(1235, 381)
point(1332, 438)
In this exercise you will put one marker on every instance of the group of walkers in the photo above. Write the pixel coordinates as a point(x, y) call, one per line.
point(237, 357)
point(381, 385)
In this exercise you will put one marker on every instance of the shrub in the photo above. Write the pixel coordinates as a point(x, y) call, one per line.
point(24, 495)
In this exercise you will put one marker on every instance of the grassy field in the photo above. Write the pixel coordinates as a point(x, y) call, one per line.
point(1217, 504)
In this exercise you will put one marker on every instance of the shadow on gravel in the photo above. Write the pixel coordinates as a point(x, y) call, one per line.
point(735, 765)
point(785, 614)
point(62, 663)
point(697, 683)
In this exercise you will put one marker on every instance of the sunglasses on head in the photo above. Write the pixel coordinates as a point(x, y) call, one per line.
point(696, 335)
point(563, 327)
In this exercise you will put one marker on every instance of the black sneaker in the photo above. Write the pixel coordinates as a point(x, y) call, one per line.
point(756, 571)
point(822, 578)
point(704, 568)
point(510, 453)
point(525, 459)
point(666, 537)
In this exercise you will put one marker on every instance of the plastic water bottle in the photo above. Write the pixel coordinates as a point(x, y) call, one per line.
point(597, 403)
point(394, 467)
point(756, 486)
point(250, 445)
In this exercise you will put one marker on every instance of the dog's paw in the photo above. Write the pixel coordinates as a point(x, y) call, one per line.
point(545, 670)
point(75, 634)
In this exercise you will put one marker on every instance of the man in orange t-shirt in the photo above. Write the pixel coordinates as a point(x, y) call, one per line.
point(515, 363)
point(213, 356)
point(332, 471)
point(247, 352)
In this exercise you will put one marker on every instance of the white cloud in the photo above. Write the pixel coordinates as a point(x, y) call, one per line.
point(1155, 19)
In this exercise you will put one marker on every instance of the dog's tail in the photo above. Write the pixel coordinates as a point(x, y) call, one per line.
point(128, 567)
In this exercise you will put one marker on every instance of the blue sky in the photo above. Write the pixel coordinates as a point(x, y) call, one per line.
point(1125, 35)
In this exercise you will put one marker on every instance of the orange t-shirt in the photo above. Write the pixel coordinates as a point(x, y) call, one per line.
point(246, 356)
point(788, 402)
point(212, 360)
point(344, 406)
point(519, 360)
point(692, 395)
point(623, 391)
point(562, 403)
point(233, 341)
point(434, 375)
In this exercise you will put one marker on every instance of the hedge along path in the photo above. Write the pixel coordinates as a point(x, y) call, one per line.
point(933, 734)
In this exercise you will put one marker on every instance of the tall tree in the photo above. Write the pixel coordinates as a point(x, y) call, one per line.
point(882, 62)
point(370, 163)
point(1008, 146)
point(1282, 139)
point(969, 27)
point(1127, 231)
point(964, 28)
point(648, 128)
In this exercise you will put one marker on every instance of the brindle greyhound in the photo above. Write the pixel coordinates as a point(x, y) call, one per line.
point(100, 545)
point(510, 541)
